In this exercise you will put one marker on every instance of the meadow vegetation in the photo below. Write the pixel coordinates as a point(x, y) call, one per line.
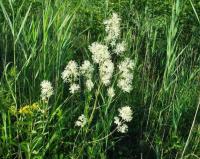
point(100, 79)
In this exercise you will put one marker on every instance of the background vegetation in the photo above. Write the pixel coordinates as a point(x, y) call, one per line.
point(38, 38)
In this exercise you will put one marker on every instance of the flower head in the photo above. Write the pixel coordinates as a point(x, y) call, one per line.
point(74, 88)
point(120, 48)
point(35, 106)
point(25, 110)
point(82, 120)
point(126, 83)
point(126, 113)
point(111, 92)
point(46, 90)
point(126, 65)
point(89, 85)
point(29, 109)
point(126, 75)
point(121, 127)
point(87, 69)
point(99, 52)
point(70, 74)
point(117, 120)
point(106, 72)
point(112, 27)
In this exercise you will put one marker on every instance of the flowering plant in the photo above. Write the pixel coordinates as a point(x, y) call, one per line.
point(108, 69)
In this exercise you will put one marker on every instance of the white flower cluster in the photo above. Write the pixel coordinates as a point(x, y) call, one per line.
point(46, 90)
point(106, 72)
point(99, 52)
point(123, 128)
point(120, 48)
point(74, 88)
point(125, 115)
point(111, 92)
point(81, 122)
point(89, 85)
point(70, 75)
point(72, 72)
point(126, 76)
point(87, 70)
point(101, 56)
point(112, 27)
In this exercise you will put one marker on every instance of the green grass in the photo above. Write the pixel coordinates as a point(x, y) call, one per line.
point(39, 37)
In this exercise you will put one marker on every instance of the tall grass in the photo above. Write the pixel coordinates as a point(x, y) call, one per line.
point(37, 40)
